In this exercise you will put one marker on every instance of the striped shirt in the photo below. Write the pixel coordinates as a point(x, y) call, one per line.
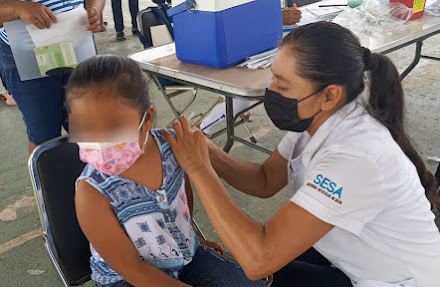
point(57, 7)
point(158, 222)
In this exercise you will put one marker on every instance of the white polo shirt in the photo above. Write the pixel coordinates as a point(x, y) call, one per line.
point(353, 175)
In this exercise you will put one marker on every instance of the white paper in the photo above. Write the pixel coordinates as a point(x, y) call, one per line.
point(313, 13)
point(70, 28)
point(262, 60)
point(432, 8)
point(290, 27)
point(330, 2)
point(307, 17)
point(160, 35)
point(23, 44)
point(154, 53)
point(323, 11)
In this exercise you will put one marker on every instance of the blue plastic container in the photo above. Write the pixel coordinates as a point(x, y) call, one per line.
point(222, 33)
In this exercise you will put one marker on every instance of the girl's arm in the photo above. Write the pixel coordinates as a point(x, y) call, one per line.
point(101, 227)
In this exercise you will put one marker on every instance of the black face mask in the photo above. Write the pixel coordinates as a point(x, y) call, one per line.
point(284, 112)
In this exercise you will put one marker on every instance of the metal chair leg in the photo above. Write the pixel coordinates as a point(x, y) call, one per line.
point(202, 115)
point(181, 111)
point(251, 136)
point(162, 90)
point(198, 230)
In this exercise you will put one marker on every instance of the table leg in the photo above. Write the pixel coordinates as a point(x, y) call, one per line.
point(414, 62)
point(229, 124)
point(430, 58)
point(162, 90)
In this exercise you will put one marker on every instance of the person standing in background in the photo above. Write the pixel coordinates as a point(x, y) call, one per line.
point(119, 19)
point(41, 101)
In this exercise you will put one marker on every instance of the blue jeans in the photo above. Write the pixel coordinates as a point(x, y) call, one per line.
point(310, 269)
point(117, 13)
point(41, 101)
point(209, 269)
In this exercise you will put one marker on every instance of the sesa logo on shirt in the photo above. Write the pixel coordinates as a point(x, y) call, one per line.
point(327, 187)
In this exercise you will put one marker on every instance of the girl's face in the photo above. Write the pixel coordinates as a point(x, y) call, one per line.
point(98, 116)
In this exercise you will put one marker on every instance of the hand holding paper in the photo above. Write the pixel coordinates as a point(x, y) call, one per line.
point(54, 47)
point(36, 14)
point(71, 27)
point(94, 19)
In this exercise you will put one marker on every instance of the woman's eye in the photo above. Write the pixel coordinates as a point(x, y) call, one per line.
point(281, 88)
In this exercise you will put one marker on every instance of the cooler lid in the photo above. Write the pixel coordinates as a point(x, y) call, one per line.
point(214, 5)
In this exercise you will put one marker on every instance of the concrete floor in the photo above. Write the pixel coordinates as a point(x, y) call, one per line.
point(23, 259)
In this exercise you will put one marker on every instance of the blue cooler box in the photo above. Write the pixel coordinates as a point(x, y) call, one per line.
point(223, 33)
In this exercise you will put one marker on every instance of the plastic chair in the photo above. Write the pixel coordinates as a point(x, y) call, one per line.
point(54, 167)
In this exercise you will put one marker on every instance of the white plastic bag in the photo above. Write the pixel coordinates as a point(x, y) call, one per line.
point(374, 16)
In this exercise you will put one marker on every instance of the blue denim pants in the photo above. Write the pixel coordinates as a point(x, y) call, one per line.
point(209, 269)
point(41, 101)
point(118, 17)
point(310, 269)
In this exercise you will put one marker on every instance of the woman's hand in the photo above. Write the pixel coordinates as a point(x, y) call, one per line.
point(212, 148)
point(189, 147)
point(291, 16)
point(35, 13)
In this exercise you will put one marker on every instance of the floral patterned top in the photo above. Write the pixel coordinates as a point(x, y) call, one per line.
point(158, 222)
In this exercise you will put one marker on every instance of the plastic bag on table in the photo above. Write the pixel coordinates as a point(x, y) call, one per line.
point(375, 16)
point(382, 16)
point(352, 19)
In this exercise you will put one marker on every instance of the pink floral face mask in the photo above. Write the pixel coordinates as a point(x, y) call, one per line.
point(112, 158)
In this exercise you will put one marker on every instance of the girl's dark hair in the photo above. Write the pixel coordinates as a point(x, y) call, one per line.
point(120, 72)
point(326, 53)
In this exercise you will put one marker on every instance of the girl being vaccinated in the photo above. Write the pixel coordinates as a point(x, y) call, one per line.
point(133, 200)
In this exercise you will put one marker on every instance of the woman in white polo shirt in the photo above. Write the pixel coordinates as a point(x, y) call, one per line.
point(356, 185)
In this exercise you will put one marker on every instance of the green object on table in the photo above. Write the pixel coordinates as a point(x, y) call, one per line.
point(55, 56)
point(354, 3)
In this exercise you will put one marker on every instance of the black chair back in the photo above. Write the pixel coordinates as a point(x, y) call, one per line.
point(151, 17)
point(55, 166)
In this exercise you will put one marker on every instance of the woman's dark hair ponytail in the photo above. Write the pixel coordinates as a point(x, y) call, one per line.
point(326, 54)
point(386, 104)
